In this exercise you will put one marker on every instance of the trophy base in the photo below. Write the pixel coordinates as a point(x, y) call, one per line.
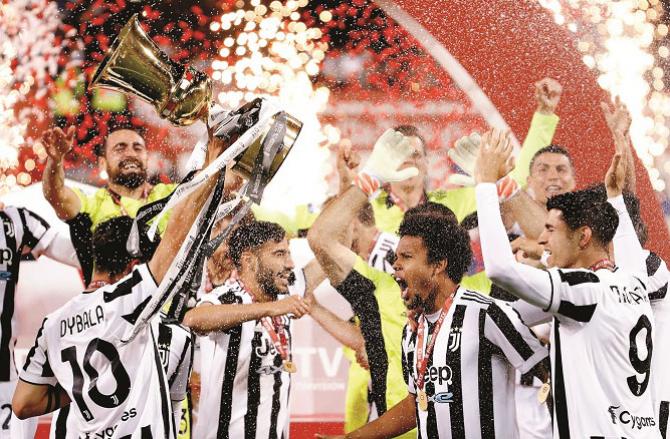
point(244, 163)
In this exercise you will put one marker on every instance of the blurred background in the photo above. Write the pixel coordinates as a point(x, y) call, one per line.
point(348, 70)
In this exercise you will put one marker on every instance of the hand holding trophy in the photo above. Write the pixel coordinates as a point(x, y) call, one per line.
point(260, 136)
point(183, 95)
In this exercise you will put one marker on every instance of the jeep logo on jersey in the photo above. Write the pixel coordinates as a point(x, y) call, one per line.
point(266, 348)
point(6, 256)
point(439, 375)
point(443, 398)
point(625, 417)
point(454, 339)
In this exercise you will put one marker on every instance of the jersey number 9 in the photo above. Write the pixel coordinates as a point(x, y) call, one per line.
point(641, 366)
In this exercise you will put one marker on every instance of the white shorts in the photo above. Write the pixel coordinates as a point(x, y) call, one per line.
point(12, 427)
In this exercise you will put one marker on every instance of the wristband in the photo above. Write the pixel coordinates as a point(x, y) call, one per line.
point(367, 183)
point(507, 188)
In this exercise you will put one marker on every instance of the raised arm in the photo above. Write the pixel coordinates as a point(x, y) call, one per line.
point(521, 208)
point(525, 282)
point(628, 252)
point(335, 258)
point(183, 216)
point(542, 126)
point(618, 121)
point(328, 231)
point(63, 199)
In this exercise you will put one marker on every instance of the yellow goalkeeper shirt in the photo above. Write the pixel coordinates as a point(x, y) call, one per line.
point(375, 299)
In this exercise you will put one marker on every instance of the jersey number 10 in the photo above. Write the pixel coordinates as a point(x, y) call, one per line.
point(114, 399)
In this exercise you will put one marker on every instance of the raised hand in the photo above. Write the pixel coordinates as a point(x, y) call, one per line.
point(389, 153)
point(494, 160)
point(547, 94)
point(464, 154)
point(295, 305)
point(57, 143)
point(347, 162)
point(615, 178)
point(618, 119)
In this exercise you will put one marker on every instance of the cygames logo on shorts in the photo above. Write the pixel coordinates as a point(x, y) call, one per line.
point(625, 417)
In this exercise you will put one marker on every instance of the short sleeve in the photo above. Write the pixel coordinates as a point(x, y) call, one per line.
point(85, 201)
point(37, 234)
point(131, 295)
point(37, 369)
point(575, 293)
point(517, 342)
point(210, 298)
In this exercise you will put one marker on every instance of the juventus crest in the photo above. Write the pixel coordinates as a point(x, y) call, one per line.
point(454, 338)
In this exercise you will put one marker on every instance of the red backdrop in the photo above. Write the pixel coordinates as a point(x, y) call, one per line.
point(505, 46)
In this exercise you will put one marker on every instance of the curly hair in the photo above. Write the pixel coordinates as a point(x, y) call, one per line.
point(444, 240)
point(252, 235)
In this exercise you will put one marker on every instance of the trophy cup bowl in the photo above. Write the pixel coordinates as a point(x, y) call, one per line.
point(181, 94)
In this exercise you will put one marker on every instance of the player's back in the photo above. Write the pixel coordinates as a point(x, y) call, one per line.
point(117, 389)
point(601, 355)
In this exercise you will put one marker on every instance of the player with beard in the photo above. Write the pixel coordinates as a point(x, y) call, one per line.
point(123, 157)
point(603, 328)
point(246, 341)
point(99, 342)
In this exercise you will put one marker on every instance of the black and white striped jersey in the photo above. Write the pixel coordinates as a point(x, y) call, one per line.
point(470, 375)
point(22, 230)
point(657, 285)
point(602, 345)
point(244, 388)
point(382, 255)
point(175, 347)
point(118, 390)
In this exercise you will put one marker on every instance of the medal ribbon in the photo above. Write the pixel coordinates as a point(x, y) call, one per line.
point(422, 360)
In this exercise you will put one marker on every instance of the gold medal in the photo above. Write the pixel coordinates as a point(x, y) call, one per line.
point(543, 394)
point(289, 366)
point(423, 400)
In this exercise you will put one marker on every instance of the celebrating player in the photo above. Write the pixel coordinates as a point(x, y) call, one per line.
point(247, 337)
point(81, 353)
point(458, 362)
point(603, 327)
point(629, 254)
point(112, 262)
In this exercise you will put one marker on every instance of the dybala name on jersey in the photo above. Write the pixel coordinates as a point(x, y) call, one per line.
point(79, 323)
